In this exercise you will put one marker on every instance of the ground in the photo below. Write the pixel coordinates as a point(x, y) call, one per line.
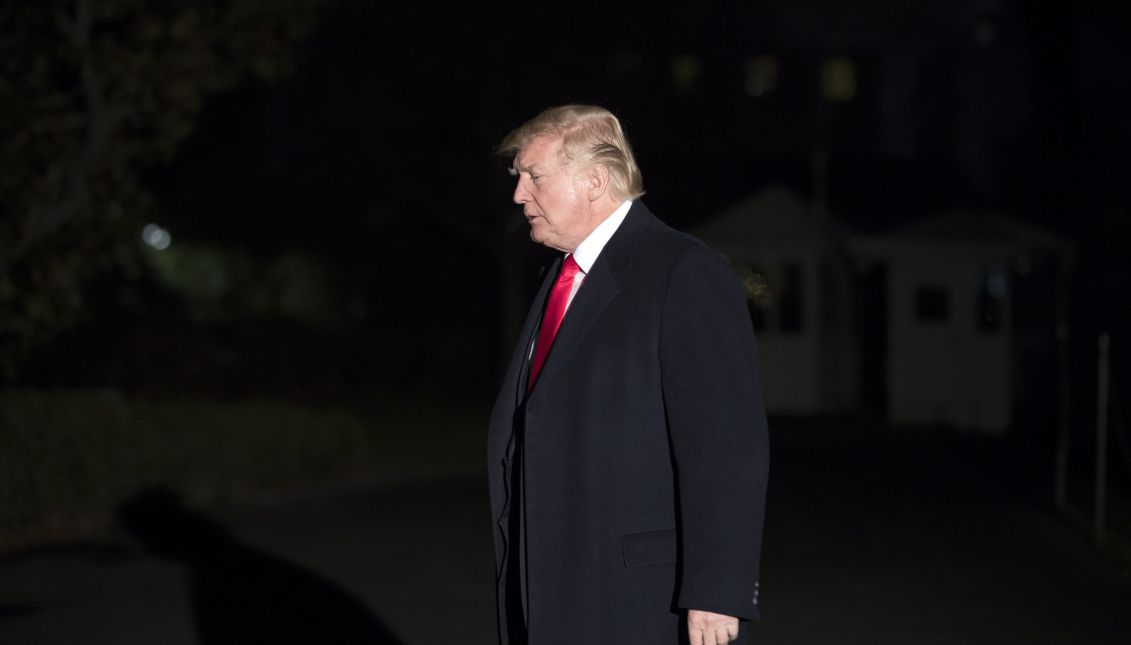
point(872, 537)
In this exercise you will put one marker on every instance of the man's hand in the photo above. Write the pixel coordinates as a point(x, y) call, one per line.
point(707, 628)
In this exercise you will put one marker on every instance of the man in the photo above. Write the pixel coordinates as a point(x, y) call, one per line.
point(628, 449)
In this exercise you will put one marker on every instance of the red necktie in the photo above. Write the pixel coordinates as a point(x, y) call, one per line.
point(552, 318)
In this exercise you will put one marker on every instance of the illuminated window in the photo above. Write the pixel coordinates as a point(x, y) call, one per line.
point(685, 72)
point(838, 79)
point(761, 75)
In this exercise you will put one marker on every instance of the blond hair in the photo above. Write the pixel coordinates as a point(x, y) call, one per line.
point(590, 135)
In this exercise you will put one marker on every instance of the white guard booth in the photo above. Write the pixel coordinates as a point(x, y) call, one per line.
point(798, 282)
point(956, 329)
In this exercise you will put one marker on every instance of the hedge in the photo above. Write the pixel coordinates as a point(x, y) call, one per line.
point(69, 457)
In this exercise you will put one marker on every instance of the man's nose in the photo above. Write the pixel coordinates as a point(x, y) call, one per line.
point(521, 196)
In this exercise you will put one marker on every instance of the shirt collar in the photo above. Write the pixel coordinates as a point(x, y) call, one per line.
point(586, 253)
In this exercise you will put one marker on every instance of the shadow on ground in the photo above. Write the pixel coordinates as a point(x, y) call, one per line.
point(240, 594)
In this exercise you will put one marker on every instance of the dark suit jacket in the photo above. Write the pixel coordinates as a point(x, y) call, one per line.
point(645, 447)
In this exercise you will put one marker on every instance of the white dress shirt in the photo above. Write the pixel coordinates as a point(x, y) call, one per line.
point(586, 253)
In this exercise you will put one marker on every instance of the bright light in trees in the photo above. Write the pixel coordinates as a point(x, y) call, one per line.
point(156, 237)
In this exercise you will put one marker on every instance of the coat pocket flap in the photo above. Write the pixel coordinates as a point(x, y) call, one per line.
point(645, 548)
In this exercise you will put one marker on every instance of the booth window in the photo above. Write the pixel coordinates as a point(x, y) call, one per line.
point(991, 298)
point(791, 308)
point(932, 304)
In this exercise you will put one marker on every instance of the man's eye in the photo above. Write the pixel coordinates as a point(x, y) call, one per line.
point(535, 178)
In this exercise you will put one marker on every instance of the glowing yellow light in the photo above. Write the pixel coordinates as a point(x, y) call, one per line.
point(685, 72)
point(838, 79)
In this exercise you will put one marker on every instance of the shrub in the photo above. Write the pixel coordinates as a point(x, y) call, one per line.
point(67, 458)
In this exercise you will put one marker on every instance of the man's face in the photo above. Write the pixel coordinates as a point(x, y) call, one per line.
point(553, 197)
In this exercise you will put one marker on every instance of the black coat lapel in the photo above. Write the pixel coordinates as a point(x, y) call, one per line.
point(520, 362)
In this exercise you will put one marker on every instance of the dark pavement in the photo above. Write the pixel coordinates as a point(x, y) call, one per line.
point(871, 538)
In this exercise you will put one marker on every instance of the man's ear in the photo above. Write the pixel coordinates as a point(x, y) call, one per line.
point(597, 181)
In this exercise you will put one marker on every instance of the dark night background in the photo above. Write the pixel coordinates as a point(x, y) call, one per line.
point(254, 254)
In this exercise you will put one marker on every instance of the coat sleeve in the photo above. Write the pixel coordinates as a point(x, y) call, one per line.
point(717, 426)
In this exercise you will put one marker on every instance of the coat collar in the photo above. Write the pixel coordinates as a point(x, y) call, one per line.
point(610, 274)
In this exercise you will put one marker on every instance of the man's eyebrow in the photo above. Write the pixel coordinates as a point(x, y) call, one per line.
point(517, 168)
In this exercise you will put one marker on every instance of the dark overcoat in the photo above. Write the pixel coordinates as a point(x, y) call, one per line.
point(644, 448)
